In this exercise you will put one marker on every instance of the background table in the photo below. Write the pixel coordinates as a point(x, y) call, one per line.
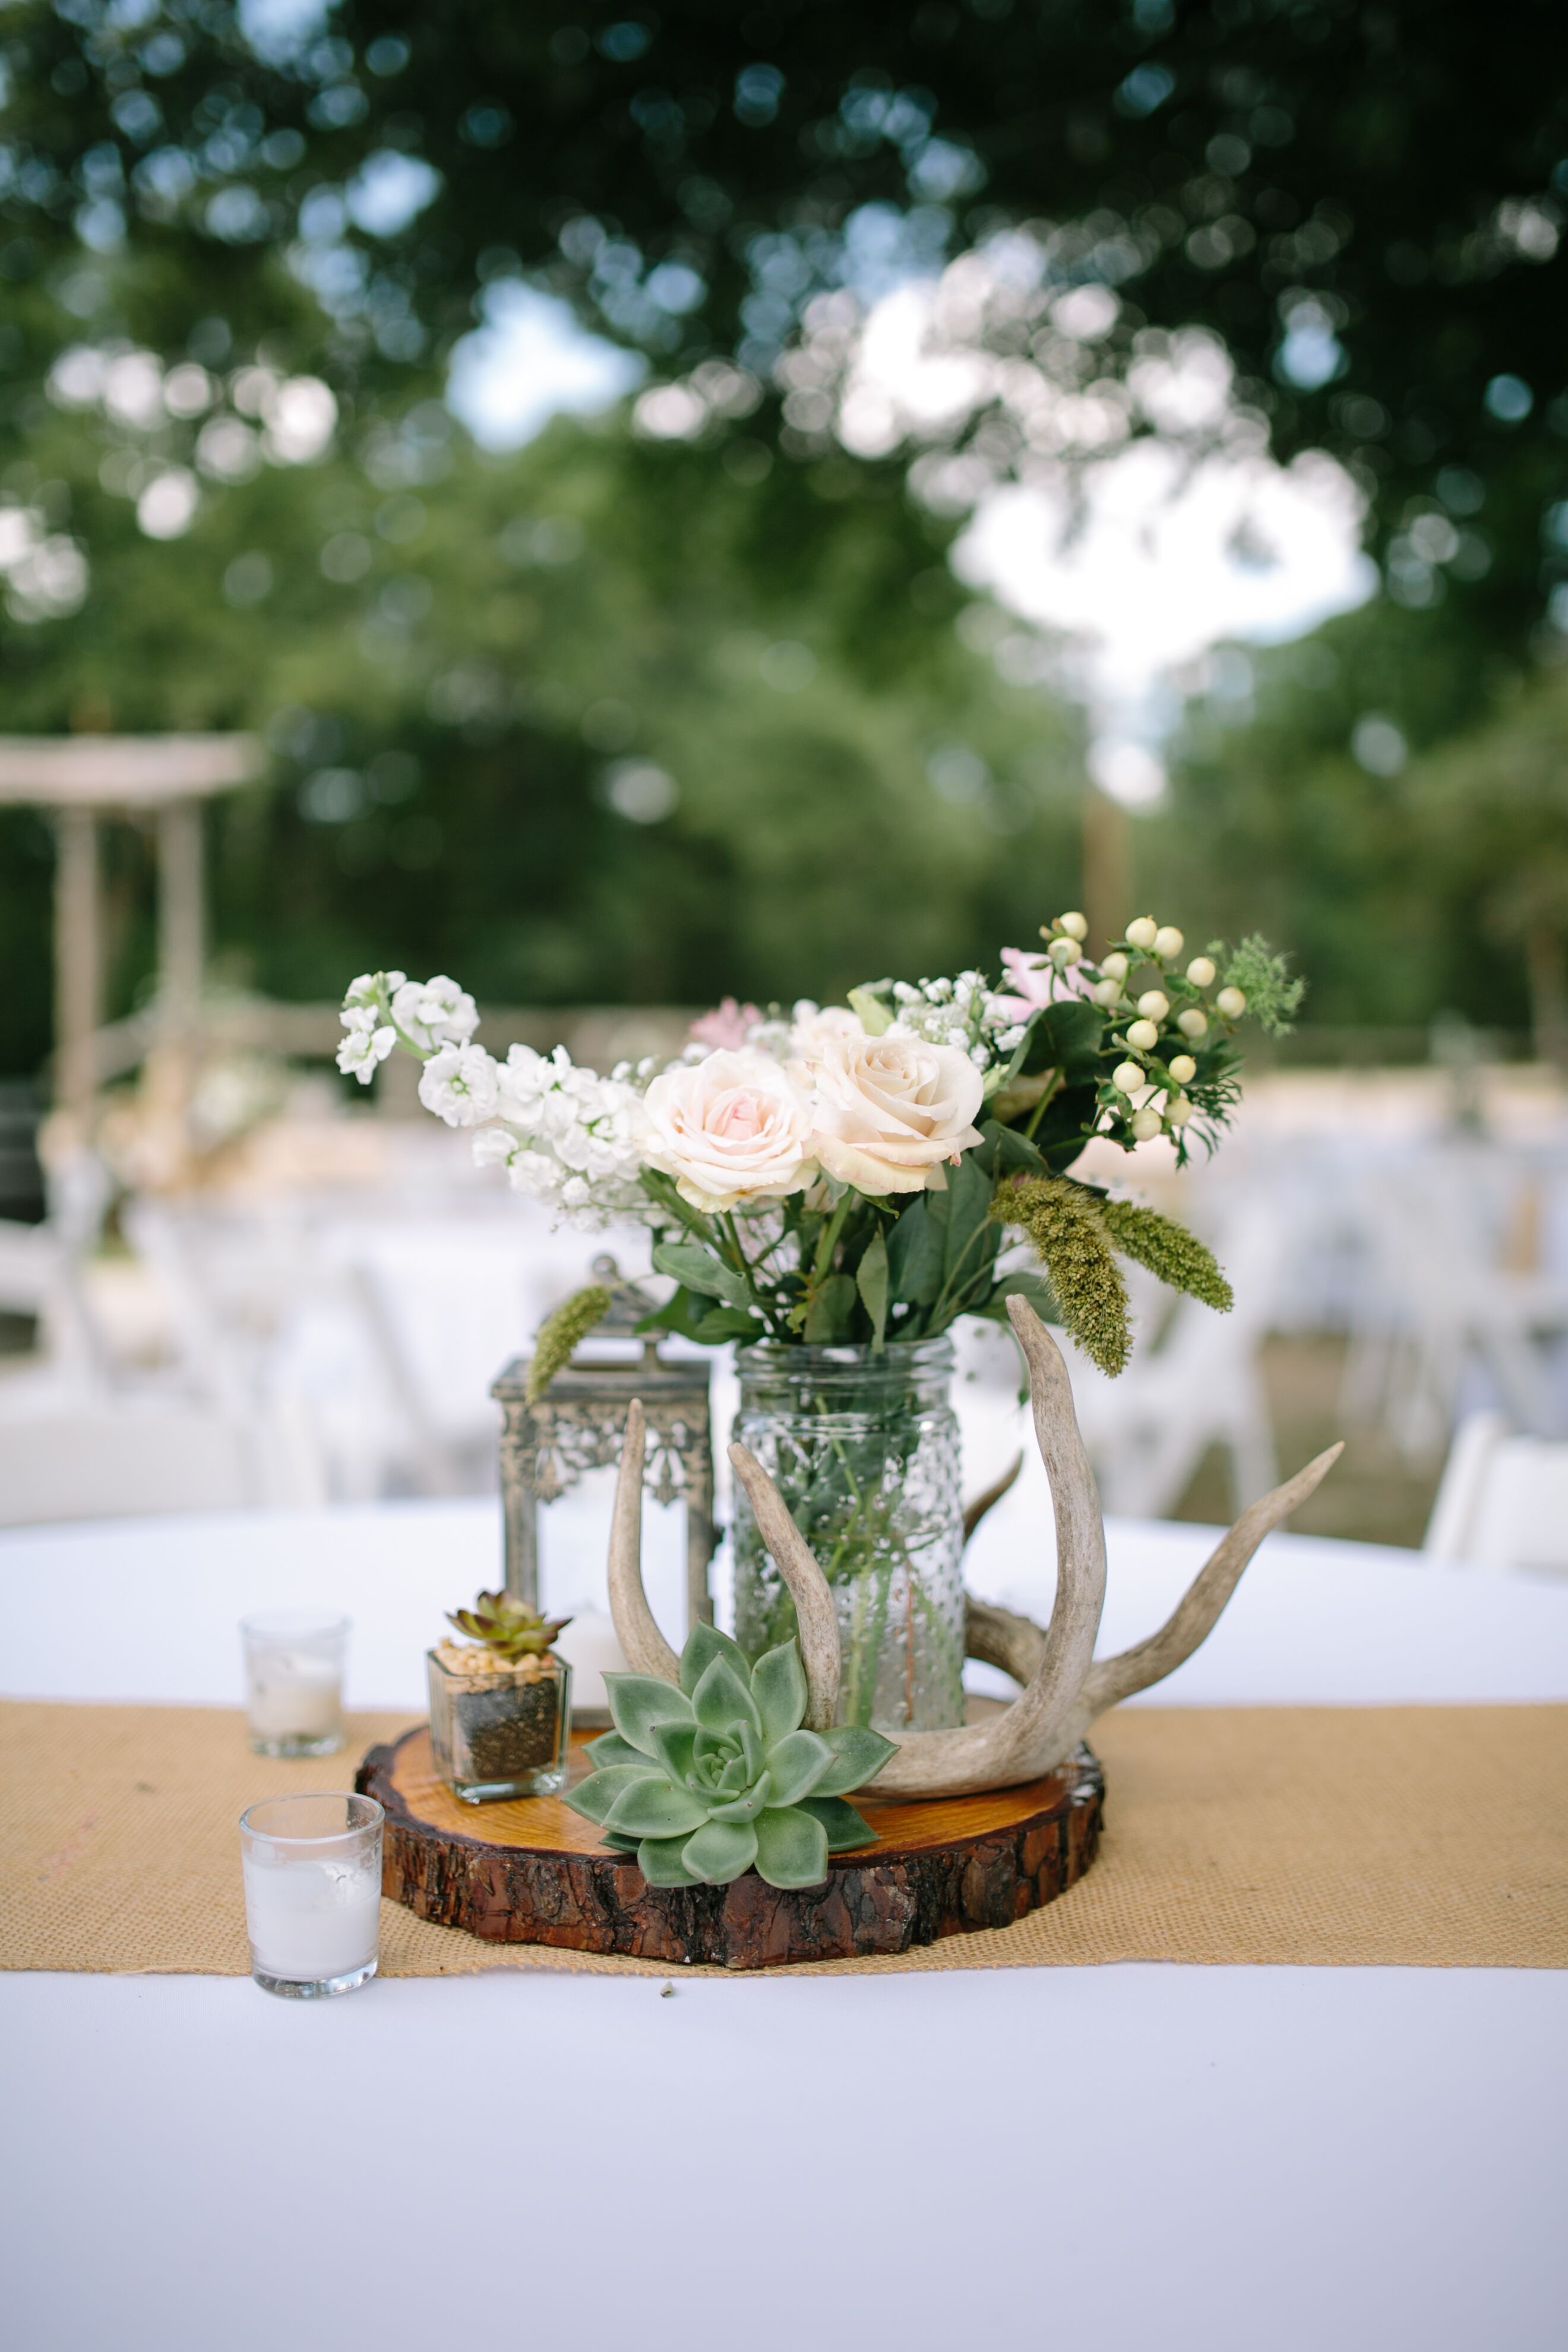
point(1241, 2159)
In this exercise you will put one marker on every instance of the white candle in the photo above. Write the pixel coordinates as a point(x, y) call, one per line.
point(294, 1695)
point(592, 1651)
point(309, 1920)
point(293, 1667)
point(311, 1869)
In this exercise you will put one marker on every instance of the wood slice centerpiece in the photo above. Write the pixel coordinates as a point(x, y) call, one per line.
point(530, 1871)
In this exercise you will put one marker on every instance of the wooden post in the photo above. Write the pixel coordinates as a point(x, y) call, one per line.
point(181, 924)
point(1106, 869)
point(79, 961)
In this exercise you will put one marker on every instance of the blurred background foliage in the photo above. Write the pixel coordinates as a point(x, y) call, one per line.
point(600, 722)
point(614, 719)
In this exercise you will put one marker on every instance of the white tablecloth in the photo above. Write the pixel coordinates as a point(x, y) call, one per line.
point(1240, 2159)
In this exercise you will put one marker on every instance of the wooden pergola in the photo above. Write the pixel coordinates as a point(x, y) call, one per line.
point(83, 780)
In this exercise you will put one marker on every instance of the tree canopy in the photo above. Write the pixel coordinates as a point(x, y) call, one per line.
point(602, 722)
point(1362, 198)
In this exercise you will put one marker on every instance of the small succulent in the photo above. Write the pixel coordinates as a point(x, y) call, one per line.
point(505, 1626)
point(716, 1777)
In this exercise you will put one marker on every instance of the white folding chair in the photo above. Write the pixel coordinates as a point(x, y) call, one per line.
point(1503, 1500)
point(125, 1459)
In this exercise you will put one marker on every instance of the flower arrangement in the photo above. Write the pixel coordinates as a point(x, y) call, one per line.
point(851, 1174)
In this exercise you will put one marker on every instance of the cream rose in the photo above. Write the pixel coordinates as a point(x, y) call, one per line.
point(814, 1024)
point(730, 1129)
point(888, 1109)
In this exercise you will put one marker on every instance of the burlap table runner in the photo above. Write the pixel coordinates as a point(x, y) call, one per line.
point(1432, 1837)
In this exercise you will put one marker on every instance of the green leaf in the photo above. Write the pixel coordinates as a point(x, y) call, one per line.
point(1032, 1286)
point(1014, 1151)
point(698, 1269)
point(744, 1808)
point(651, 1808)
point(724, 1323)
point(594, 1797)
point(659, 1860)
point(778, 1685)
point(844, 1825)
point(621, 1845)
point(873, 1014)
point(914, 1256)
point(871, 1281)
point(968, 1213)
point(791, 1848)
point(722, 1700)
point(613, 1749)
point(1068, 1034)
point(719, 1852)
point(858, 1755)
point(703, 1644)
point(796, 1766)
point(639, 1701)
point(673, 1744)
point(831, 1310)
point(679, 1311)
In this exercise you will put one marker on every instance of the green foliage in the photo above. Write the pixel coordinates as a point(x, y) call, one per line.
point(1374, 163)
point(1075, 1230)
point(1273, 996)
point(506, 1626)
point(707, 1781)
point(1065, 1224)
point(1176, 1256)
point(561, 1332)
point(450, 730)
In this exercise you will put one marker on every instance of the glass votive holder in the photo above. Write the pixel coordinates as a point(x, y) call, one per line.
point(497, 1729)
point(312, 1865)
point(294, 1681)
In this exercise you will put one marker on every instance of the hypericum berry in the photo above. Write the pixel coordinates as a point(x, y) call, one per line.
point(1183, 1067)
point(1146, 1035)
point(1200, 971)
point(1178, 1113)
point(1114, 966)
point(1107, 992)
point(1146, 1124)
point(1129, 1076)
point(1168, 942)
point(1231, 1002)
point(1153, 1004)
point(1075, 926)
point(1064, 952)
point(1143, 932)
point(1192, 1023)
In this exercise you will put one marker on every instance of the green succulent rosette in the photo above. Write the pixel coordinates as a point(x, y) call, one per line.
point(708, 1780)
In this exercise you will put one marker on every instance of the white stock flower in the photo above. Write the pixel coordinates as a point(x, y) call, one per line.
point(569, 1137)
point(432, 1013)
point(729, 1129)
point(367, 989)
point(888, 1109)
point(458, 1084)
point(364, 1048)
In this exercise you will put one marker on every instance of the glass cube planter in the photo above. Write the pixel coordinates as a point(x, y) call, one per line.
point(499, 1730)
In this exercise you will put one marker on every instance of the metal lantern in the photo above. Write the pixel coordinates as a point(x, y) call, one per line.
point(578, 1424)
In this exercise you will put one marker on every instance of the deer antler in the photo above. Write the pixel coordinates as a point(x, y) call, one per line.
point(1064, 1689)
point(644, 1647)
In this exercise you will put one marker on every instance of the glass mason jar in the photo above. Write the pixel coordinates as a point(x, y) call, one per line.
point(502, 1731)
point(864, 1450)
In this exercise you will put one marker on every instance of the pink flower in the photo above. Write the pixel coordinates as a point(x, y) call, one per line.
point(731, 1129)
point(1037, 981)
point(728, 1027)
point(1032, 978)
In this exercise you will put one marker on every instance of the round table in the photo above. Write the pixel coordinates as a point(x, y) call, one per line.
point(1237, 2159)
